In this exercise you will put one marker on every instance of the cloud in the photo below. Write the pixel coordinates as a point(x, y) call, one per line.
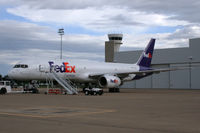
point(102, 19)
point(20, 35)
point(11, 29)
point(8, 57)
point(180, 9)
point(178, 38)
point(190, 31)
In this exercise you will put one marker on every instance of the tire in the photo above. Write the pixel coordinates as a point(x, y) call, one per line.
point(94, 93)
point(86, 92)
point(3, 91)
point(114, 90)
point(111, 90)
point(100, 92)
point(117, 90)
point(35, 91)
point(83, 90)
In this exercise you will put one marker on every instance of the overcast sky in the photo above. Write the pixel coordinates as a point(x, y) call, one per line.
point(28, 28)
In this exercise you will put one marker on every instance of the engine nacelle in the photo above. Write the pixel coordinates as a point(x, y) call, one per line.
point(109, 81)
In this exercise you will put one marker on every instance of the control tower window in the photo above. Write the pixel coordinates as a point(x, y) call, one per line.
point(119, 38)
point(115, 38)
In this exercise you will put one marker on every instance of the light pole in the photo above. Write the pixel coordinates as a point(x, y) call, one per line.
point(61, 33)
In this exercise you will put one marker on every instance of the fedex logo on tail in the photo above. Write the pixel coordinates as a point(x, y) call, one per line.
point(64, 68)
point(148, 55)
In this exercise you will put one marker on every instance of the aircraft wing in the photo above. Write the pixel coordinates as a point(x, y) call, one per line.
point(124, 74)
point(158, 70)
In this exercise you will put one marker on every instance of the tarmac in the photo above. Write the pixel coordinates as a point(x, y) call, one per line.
point(131, 111)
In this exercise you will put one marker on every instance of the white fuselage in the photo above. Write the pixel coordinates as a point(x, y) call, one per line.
point(74, 70)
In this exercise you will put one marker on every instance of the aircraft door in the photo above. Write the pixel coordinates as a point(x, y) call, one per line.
point(43, 68)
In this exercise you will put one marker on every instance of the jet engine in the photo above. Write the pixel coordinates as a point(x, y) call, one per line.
point(109, 81)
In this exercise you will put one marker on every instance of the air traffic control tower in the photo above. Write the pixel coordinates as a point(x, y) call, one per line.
point(112, 46)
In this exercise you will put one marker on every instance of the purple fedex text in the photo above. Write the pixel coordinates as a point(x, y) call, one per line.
point(64, 68)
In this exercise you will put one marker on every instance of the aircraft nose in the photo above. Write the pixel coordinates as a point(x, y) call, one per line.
point(11, 74)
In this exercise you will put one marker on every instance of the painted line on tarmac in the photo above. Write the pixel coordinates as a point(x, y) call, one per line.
point(52, 113)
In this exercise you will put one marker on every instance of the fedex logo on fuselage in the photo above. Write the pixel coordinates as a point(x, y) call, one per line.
point(64, 68)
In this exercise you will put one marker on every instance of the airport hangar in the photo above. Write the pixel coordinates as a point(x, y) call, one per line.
point(162, 58)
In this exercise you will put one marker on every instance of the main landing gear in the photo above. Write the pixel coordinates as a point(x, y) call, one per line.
point(114, 90)
point(111, 90)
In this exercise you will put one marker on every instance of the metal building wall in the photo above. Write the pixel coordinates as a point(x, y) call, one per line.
point(180, 78)
point(195, 78)
point(161, 80)
point(166, 58)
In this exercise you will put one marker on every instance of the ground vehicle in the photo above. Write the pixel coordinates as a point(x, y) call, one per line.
point(31, 88)
point(93, 91)
point(5, 87)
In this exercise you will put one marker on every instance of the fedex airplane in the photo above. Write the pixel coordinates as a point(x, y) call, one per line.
point(101, 74)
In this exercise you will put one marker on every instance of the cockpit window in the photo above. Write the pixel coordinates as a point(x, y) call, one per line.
point(24, 66)
point(21, 66)
point(17, 66)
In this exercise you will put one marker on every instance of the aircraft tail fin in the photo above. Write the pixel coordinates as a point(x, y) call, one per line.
point(146, 56)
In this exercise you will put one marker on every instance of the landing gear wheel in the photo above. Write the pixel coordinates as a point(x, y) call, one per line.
point(117, 90)
point(86, 92)
point(114, 90)
point(83, 90)
point(100, 92)
point(35, 91)
point(94, 93)
point(110, 90)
